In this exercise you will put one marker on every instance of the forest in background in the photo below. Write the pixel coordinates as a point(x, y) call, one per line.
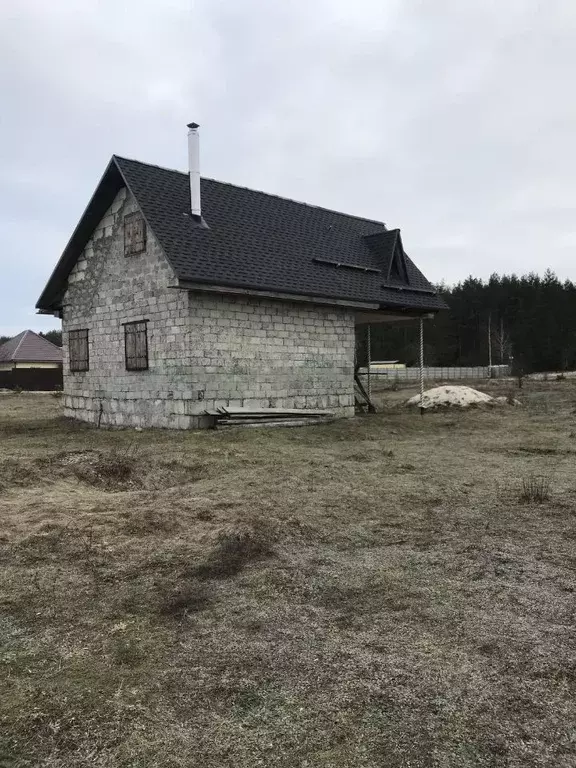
point(530, 320)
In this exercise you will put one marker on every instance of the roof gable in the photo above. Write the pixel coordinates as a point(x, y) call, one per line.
point(253, 241)
point(99, 203)
point(397, 272)
point(388, 246)
point(29, 347)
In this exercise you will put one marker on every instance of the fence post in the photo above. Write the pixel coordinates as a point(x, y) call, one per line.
point(421, 366)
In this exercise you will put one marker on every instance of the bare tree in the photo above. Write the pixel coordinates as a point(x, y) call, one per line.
point(503, 342)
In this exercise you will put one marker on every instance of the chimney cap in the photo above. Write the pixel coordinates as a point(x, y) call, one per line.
point(192, 126)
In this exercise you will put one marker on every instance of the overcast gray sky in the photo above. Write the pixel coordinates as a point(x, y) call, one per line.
point(454, 120)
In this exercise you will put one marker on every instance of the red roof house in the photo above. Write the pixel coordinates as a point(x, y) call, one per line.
point(29, 350)
point(29, 361)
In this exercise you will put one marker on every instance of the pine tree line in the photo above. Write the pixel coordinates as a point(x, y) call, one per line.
point(530, 320)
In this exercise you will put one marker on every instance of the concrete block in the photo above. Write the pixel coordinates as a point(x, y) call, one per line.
point(255, 403)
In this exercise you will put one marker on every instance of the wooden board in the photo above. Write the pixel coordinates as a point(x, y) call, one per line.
point(245, 423)
point(274, 412)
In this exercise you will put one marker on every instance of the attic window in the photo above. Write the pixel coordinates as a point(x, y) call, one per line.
point(134, 234)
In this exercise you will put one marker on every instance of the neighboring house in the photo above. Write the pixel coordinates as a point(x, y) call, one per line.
point(178, 295)
point(30, 361)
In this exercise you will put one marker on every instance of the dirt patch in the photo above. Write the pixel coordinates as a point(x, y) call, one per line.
point(111, 471)
point(19, 473)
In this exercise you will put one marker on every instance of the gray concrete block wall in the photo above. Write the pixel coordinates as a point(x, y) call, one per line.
point(105, 290)
point(205, 350)
point(265, 353)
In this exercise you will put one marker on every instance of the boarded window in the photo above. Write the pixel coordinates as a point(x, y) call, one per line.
point(136, 346)
point(78, 350)
point(134, 234)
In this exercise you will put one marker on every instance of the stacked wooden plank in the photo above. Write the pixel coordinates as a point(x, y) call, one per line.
point(270, 417)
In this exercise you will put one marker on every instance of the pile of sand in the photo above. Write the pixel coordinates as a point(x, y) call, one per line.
point(440, 397)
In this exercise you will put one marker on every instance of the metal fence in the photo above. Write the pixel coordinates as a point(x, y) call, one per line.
point(32, 379)
point(438, 373)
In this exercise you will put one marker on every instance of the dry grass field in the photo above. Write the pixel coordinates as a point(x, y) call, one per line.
point(389, 591)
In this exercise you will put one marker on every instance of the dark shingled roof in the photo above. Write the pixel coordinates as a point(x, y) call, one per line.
point(28, 347)
point(254, 241)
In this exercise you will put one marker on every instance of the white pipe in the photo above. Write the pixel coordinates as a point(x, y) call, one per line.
point(194, 168)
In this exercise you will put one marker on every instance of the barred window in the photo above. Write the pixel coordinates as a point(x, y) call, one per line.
point(136, 345)
point(78, 350)
point(134, 234)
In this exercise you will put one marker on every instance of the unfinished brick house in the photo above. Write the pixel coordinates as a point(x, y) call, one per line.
point(179, 294)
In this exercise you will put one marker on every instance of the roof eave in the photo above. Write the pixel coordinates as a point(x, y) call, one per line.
point(271, 293)
point(50, 298)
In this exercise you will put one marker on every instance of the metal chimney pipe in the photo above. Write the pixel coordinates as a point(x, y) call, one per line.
point(194, 168)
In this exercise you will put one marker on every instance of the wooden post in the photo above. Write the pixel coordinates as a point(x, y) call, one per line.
point(369, 355)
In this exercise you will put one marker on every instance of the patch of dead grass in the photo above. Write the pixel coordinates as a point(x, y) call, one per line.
point(112, 471)
point(356, 595)
point(535, 489)
point(235, 548)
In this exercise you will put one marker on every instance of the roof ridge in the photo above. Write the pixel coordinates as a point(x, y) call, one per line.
point(394, 231)
point(24, 334)
point(257, 191)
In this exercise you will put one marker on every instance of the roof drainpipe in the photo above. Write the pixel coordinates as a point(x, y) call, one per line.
point(194, 168)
